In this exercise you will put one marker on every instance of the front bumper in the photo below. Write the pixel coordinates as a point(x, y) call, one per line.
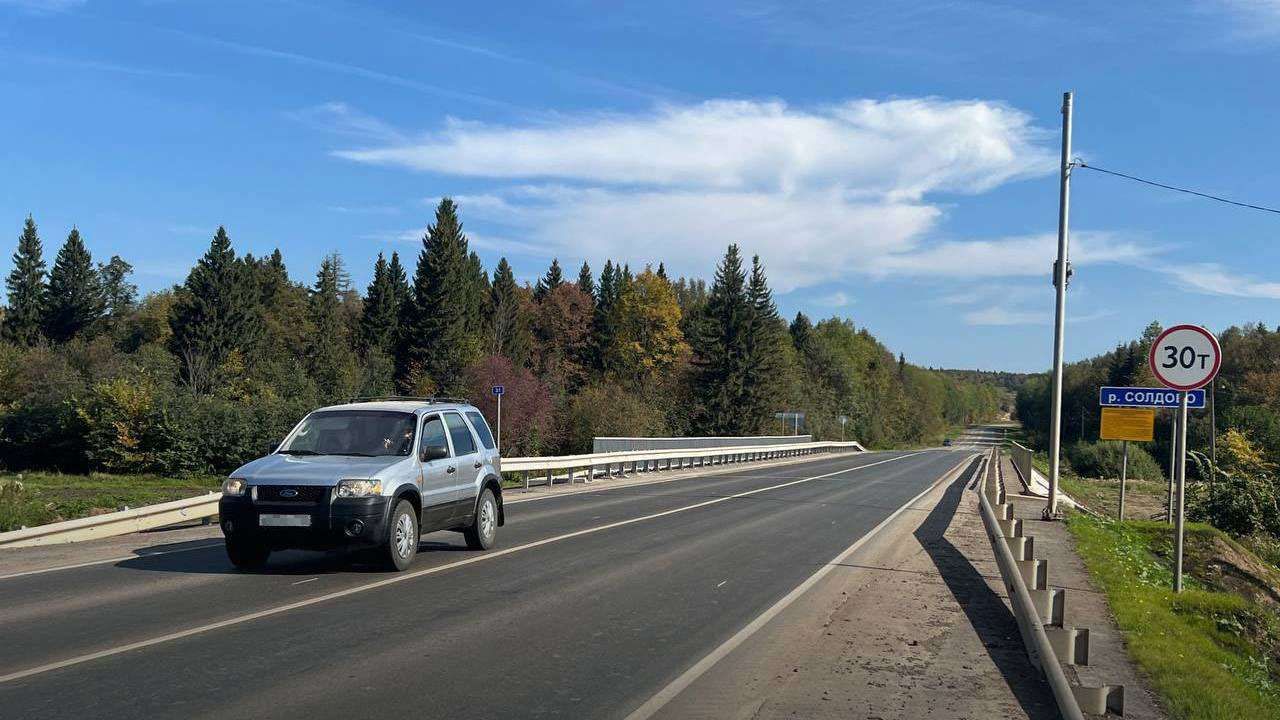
point(340, 522)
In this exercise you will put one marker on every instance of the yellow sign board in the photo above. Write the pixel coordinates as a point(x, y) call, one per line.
point(1121, 423)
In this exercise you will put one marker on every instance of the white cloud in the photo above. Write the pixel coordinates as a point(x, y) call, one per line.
point(897, 148)
point(1010, 257)
point(837, 299)
point(821, 194)
point(1213, 279)
point(1005, 316)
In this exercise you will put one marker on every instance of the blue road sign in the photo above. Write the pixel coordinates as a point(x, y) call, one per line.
point(1147, 397)
point(498, 389)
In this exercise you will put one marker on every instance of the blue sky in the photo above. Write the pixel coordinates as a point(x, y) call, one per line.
point(893, 163)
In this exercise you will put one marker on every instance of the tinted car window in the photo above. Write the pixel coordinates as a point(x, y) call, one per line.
point(433, 433)
point(352, 432)
point(463, 444)
point(482, 428)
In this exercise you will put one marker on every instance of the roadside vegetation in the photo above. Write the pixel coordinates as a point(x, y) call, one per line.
point(1211, 652)
point(30, 499)
point(197, 379)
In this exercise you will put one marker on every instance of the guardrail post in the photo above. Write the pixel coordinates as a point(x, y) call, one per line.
point(526, 480)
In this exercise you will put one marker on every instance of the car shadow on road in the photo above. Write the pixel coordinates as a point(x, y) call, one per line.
point(205, 557)
point(986, 611)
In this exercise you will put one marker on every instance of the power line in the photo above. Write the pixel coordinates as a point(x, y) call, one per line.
point(1080, 163)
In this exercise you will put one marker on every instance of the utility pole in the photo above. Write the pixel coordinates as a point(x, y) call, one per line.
point(1060, 308)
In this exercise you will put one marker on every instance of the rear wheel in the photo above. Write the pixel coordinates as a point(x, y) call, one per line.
point(402, 538)
point(247, 554)
point(483, 531)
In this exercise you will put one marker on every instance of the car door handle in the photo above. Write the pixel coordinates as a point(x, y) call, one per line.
point(451, 469)
point(478, 465)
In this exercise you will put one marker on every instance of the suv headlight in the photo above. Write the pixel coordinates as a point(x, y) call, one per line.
point(359, 488)
point(234, 487)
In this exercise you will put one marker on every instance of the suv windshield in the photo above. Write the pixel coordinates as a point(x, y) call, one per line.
point(367, 433)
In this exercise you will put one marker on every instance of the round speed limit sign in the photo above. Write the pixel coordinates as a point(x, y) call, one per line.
point(1185, 357)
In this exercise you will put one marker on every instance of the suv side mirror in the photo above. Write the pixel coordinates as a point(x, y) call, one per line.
point(434, 452)
point(271, 447)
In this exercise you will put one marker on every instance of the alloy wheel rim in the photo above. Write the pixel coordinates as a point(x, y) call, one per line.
point(404, 535)
point(486, 518)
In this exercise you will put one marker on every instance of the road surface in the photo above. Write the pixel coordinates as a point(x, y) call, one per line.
point(591, 605)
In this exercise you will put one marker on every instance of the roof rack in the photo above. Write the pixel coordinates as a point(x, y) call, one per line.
point(410, 398)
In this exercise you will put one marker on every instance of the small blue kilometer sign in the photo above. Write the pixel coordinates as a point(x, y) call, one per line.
point(498, 390)
point(1161, 397)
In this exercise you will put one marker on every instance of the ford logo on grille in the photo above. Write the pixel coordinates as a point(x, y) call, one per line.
point(288, 492)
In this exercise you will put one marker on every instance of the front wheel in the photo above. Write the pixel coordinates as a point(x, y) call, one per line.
point(484, 529)
point(402, 538)
point(247, 554)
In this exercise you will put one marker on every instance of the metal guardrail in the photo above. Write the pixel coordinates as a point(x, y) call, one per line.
point(552, 468)
point(605, 444)
point(123, 522)
point(1039, 610)
point(603, 464)
point(1032, 628)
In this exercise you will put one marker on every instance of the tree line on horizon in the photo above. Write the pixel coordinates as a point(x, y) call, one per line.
point(202, 376)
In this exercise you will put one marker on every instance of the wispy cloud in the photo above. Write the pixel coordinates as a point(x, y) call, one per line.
point(45, 6)
point(820, 192)
point(337, 67)
point(899, 149)
point(1010, 257)
point(365, 209)
point(837, 299)
point(342, 119)
point(999, 315)
point(1250, 19)
point(1214, 279)
point(110, 67)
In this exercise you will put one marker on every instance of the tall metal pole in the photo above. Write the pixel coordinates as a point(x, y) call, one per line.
point(1173, 462)
point(1060, 308)
point(1213, 438)
point(1182, 487)
point(1124, 476)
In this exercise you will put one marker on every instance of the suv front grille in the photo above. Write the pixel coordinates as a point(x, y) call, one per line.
point(291, 493)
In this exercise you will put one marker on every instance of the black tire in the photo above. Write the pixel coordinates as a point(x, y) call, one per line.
point(482, 534)
point(401, 546)
point(247, 554)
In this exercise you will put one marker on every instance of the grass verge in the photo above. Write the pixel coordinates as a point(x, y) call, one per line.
point(31, 499)
point(1212, 651)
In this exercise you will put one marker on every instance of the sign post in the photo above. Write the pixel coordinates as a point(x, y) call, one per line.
point(498, 391)
point(1185, 358)
point(843, 419)
point(1126, 423)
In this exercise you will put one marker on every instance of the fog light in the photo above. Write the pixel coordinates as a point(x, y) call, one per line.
point(355, 527)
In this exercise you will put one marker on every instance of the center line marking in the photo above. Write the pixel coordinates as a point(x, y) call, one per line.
point(306, 581)
point(199, 629)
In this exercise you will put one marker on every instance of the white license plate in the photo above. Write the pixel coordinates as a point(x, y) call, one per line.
point(278, 520)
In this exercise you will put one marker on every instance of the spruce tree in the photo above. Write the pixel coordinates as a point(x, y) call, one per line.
point(438, 346)
point(585, 282)
point(73, 300)
point(721, 348)
point(481, 312)
point(662, 271)
point(217, 310)
point(552, 280)
point(25, 284)
point(603, 322)
point(325, 354)
point(399, 281)
point(801, 330)
point(380, 319)
point(763, 362)
point(510, 333)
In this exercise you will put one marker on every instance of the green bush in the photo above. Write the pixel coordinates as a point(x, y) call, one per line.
point(1103, 459)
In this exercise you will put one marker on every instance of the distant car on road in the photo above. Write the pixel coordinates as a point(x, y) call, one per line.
point(372, 474)
point(946, 443)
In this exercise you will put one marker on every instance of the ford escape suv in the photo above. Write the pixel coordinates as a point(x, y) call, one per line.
point(371, 475)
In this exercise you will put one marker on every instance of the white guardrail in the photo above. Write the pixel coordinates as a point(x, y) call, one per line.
point(545, 470)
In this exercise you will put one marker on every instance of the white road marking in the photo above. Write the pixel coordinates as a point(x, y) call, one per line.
point(199, 629)
point(512, 501)
point(722, 582)
point(687, 678)
point(303, 582)
point(122, 558)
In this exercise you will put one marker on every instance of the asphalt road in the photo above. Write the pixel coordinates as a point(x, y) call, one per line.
point(650, 579)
